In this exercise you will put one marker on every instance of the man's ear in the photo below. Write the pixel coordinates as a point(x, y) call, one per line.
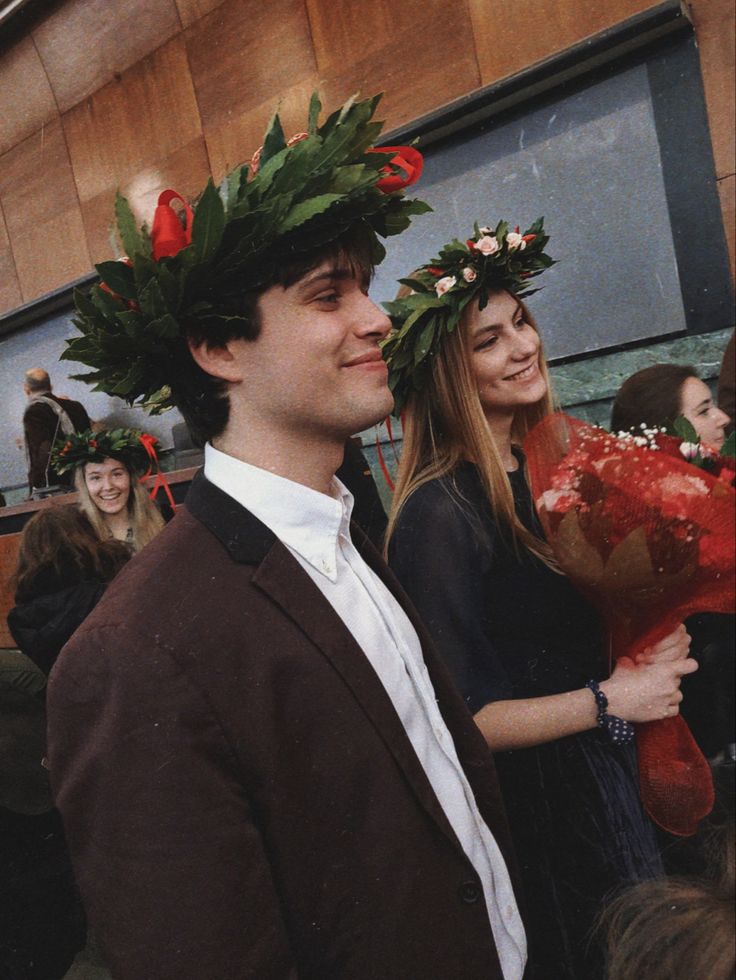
point(219, 361)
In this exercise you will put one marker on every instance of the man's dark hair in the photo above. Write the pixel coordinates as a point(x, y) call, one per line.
point(201, 398)
point(651, 396)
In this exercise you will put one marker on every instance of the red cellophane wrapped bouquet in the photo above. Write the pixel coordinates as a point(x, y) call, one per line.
point(650, 540)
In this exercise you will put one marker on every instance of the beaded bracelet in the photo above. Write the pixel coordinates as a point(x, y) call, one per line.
point(619, 731)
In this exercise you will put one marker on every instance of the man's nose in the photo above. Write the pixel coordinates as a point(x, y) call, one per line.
point(372, 321)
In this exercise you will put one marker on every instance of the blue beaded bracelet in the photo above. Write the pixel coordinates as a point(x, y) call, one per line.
point(619, 731)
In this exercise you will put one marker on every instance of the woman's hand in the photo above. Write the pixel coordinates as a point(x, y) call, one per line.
point(672, 648)
point(647, 691)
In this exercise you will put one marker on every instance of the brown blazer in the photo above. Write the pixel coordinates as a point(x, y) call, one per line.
point(240, 797)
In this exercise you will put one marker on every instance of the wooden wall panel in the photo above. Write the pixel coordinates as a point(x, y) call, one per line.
point(85, 43)
point(715, 26)
point(9, 547)
point(727, 192)
point(10, 294)
point(192, 10)
point(236, 139)
point(27, 100)
point(245, 53)
point(512, 34)
point(137, 134)
point(42, 214)
point(375, 46)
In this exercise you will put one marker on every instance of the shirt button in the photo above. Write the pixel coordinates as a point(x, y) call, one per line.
point(470, 892)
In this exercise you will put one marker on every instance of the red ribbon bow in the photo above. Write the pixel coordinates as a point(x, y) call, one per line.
point(168, 235)
point(149, 444)
point(405, 159)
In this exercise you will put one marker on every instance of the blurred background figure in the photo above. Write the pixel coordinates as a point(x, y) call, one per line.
point(46, 417)
point(107, 467)
point(63, 569)
point(727, 382)
point(677, 928)
point(656, 396)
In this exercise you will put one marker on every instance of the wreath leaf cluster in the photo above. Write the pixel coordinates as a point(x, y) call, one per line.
point(304, 194)
point(495, 258)
point(79, 448)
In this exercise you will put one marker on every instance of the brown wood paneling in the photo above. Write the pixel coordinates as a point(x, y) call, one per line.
point(235, 140)
point(378, 46)
point(715, 27)
point(10, 295)
point(186, 170)
point(245, 53)
point(130, 127)
point(85, 43)
point(9, 545)
point(727, 193)
point(42, 215)
point(191, 10)
point(27, 100)
point(512, 34)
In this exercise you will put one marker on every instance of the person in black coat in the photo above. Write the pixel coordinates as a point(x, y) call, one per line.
point(62, 572)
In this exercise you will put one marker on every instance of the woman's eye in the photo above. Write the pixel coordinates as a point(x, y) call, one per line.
point(488, 342)
point(520, 323)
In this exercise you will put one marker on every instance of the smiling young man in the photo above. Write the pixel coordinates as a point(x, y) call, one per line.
point(262, 768)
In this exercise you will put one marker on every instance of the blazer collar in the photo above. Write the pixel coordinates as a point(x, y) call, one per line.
point(246, 539)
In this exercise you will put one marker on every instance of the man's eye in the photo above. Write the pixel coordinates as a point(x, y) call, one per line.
point(331, 297)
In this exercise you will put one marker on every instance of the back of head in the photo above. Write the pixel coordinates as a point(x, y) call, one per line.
point(673, 928)
point(37, 381)
point(59, 547)
point(650, 397)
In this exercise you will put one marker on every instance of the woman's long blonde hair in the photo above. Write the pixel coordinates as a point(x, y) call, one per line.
point(444, 425)
point(145, 519)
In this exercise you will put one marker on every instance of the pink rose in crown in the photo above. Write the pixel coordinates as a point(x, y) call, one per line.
point(445, 284)
point(487, 245)
point(469, 274)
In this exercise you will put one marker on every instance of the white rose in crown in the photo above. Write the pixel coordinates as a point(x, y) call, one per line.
point(514, 240)
point(487, 245)
point(445, 284)
point(469, 274)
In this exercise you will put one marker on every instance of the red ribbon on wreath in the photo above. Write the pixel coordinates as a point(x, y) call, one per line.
point(168, 235)
point(149, 444)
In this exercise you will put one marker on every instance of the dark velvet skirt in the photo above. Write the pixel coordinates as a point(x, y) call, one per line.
point(581, 836)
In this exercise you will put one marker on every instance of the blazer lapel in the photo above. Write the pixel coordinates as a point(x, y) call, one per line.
point(283, 579)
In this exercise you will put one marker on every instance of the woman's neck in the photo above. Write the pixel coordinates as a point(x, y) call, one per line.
point(118, 524)
point(500, 426)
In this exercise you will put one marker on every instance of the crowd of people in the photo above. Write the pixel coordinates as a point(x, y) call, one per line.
point(277, 752)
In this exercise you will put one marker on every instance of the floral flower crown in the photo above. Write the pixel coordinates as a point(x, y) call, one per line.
point(494, 259)
point(298, 195)
point(130, 446)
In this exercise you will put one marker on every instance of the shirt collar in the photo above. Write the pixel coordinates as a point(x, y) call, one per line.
point(305, 520)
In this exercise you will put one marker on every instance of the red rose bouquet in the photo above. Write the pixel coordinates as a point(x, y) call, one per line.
point(649, 539)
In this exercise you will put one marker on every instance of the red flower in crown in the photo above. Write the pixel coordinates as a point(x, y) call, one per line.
point(93, 443)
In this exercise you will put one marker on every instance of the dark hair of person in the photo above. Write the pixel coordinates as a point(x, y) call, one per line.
point(677, 927)
point(59, 547)
point(651, 396)
point(200, 397)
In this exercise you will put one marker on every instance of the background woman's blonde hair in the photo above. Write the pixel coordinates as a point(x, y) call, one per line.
point(444, 424)
point(145, 519)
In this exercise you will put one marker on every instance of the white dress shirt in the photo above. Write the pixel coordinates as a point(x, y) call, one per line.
point(316, 530)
